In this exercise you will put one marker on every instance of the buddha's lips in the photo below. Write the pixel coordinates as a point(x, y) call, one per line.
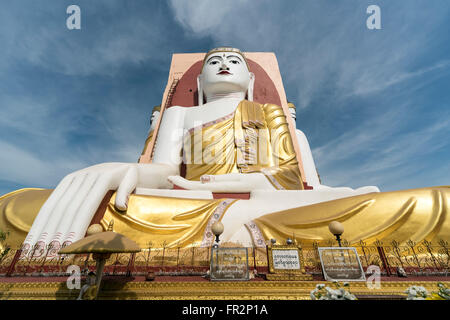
point(224, 72)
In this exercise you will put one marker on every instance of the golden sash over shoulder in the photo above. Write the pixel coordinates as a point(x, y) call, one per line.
point(255, 138)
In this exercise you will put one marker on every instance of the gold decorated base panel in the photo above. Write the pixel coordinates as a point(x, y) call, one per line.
point(288, 277)
point(245, 290)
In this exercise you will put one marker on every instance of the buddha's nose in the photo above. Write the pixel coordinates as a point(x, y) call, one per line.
point(223, 66)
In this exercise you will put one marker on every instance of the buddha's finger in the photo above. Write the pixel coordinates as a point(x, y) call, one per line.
point(106, 181)
point(220, 177)
point(222, 186)
point(187, 184)
point(58, 212)
point(127, 186)
point(75, 204)
point(44, 213)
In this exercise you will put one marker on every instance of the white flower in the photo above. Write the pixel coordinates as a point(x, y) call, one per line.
point(349, 296)
point(412, 292)
point(416, 293)
point(322, 292)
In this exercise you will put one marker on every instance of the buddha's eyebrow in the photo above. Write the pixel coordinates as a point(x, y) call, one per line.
point(213, 58)
point(230, 56)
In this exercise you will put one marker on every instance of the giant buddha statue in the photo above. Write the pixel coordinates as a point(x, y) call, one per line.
point(230, 157)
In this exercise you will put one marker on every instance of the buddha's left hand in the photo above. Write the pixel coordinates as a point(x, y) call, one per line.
point(231, 182)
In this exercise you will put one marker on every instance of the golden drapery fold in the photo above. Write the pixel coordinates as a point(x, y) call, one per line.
point(147, 142)
point(417, 215)
point(255, 138)
point(18, 209)
point(210, 149)
point(167, 222)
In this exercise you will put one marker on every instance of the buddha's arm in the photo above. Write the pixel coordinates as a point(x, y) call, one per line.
point(166, 160)
point(169, 141)
point(68, 211)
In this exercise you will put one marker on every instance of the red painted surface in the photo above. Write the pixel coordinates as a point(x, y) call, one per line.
point(13, 263)
point(220, 195)
point(223, 195)
point(306, 187)
point(186, 93)
point(98, 216)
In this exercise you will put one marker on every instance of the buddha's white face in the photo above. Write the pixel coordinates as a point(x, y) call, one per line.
point(225, 72)
point(293, 113)
point(153, 119)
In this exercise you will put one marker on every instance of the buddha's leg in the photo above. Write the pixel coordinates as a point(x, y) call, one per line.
point(164, 221)
point(265, 202)
point(418, 214)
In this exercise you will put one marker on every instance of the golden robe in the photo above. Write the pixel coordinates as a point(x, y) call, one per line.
point(255, 138)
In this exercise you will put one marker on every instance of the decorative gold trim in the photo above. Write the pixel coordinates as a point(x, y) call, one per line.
point(242, 290)
point(288, 277)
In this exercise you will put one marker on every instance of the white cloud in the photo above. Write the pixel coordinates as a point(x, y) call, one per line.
point(36, 139)
point(321, 42)
point(379, 153)
point(23, 167)
point(205, 16)
point(368, 83)
point(107, 40)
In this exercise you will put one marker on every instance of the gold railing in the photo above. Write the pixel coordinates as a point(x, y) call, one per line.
point(419, 259)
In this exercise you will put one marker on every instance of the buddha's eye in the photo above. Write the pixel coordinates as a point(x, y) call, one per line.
point(214, 62)
point(234, 61)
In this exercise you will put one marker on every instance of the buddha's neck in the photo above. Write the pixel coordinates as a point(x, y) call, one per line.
point(230, 95)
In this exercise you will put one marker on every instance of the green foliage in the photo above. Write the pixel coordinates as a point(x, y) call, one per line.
point(420, 293)
point(442, 294)
point(4, 248)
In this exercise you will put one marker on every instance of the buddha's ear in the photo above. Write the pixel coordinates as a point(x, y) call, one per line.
point(251, 85)
point(200, 89)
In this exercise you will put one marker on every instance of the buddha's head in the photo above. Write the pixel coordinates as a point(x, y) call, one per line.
point(225, 70)
point(292, 110)
point(155, 115)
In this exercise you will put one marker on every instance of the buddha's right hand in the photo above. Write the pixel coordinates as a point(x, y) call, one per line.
point(69, 210)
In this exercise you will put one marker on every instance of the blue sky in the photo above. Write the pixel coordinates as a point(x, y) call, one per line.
point(374, 104)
